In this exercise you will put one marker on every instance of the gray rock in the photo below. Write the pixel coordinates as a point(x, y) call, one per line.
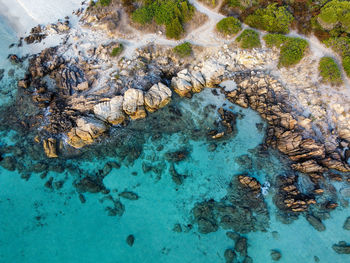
point(157, 97)
point(111, 111)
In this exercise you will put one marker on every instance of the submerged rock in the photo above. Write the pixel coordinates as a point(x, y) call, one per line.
point(130, 240)
point(276, 255)
point(229, 255)
point(346, 225)
point(241, 246)
point(89, 184)
point(342, 247)
point(158, 96)
point(316, 223)
point(129, 195)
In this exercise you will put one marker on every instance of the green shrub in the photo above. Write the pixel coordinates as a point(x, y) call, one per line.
point(274, 40)
point(249, 38)
point(183, 50)
point(272, 19)
point(170, 13)
point(341, 45)
point(117, 50)
point(292, 51)
point(229, 26)
point(104, 2)
point(329, 71)
point(346, 65)
point(335, 13)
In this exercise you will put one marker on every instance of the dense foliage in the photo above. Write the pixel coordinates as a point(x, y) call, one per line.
point(117, 50)
point(229, 26)
point(273, 19)
point(183, 50)
point(104, 2)
point(335, 14)
point(346, 65)
point(249, 38)
point(329, 71)
point(291, 48)
point(171, 13)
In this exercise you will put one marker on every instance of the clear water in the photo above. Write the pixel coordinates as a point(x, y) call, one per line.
point(41, 225)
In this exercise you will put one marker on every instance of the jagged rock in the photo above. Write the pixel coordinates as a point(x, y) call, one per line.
point(250, 182)
point(342, 247)
point(50, 148)
point(157, 97)
point(133, 104)
point(181, 86)
point(111, 111)
point(346, 225)
point(310, 166)
point(86, 132)
point(316, 223)
point(213, 73)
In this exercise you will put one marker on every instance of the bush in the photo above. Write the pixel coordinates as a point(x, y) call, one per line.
point(183, 50)
point(229, 26)
point(346, 65)
point(335, 13)
point(274, 40)
point(341, 45)
point(272, 19)
point(117, 50)
point(104, 2)
point(329, 71)
point(171, 13)
point(249, 38)
point(292, 51)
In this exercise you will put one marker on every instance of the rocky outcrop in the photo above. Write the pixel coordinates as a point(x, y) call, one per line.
point(342, 247)
point(133, 104)
point(250, 183)
point(86, 131)
point(157, 97)
point(186, 83)
point(111, 111)
point(50, 148)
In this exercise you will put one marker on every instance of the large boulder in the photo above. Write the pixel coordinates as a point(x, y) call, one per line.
point(157, 97)
point(87, 130)
point(49, 146)
point(111, 111)
point(133, 104)
point(181, 86)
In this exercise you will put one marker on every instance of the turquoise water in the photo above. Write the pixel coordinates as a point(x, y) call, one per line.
point(39, 224)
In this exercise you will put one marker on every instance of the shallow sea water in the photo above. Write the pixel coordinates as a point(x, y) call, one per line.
point(40, 225)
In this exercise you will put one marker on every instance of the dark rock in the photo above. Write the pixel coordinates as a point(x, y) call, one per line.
point(175, 176)
point(206, 226)
point(342, 247)
point(129, 195)
point(232, 235)
point(346, 225)
point(58, 184)
point(229, 255)
point(48, 184)
point(89, 184)
point(316, 259)
point(2, 71)
point(316, 223)
point(130, 240)
point(275, 255)
point(241, 246)
point(177, 156)
point(247, 259)
point(177, 228)
point(8, 163)
point(82, 199)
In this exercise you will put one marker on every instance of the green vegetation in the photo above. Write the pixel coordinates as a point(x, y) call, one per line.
point(273, 19)
point(346, 65)
point(117, 50)
point(229, 26)
point(249, 39)
point(183, 50)
point(292, 48)
point(335, 14)
point(104, 2)
point(330, 71)
point(171, 13)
